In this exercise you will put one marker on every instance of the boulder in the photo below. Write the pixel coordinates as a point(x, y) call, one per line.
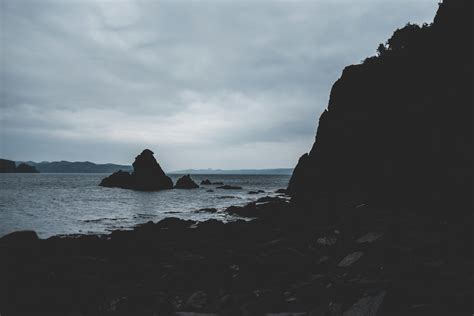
point(185, 182)
point(147, 175)
point(206, 182)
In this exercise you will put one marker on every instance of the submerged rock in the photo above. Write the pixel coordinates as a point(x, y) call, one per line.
point(147, 175)
point(185, 182)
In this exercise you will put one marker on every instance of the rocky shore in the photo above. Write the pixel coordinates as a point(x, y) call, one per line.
point(366, 260)
point(379, 221)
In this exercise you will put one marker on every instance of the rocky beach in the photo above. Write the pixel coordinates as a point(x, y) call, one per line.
point(376, 220)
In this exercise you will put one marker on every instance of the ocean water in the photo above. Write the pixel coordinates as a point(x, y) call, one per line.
point(53, 204)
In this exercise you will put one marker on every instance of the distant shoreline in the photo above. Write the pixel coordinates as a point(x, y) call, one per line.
point(90, 167)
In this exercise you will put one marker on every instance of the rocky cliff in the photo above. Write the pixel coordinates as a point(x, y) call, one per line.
point(398, 127)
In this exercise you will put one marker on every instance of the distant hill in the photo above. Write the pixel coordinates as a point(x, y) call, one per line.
point(281, 171)
point(9, 166)
point(76, 167)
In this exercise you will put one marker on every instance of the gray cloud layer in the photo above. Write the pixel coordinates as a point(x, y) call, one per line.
point(223, 84)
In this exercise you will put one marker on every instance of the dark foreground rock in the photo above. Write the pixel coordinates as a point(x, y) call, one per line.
point(287, 260)
point(147, 175)
point(185, 182)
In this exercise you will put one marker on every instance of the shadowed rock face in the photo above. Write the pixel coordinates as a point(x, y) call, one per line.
point(147, 175)
point(398, 127)
point(185, 182)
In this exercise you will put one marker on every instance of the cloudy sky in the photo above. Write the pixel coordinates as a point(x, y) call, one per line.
point(219, 84)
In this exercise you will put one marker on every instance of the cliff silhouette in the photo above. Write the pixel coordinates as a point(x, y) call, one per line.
point(398, 127)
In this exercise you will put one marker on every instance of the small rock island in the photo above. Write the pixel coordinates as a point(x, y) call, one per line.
point(147, 175)
point(185, 182)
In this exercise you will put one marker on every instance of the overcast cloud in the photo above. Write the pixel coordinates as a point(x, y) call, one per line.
point(220, 84)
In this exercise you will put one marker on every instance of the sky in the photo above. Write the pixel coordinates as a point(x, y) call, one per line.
point(204, 84)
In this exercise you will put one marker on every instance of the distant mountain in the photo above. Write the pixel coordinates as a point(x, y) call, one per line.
point(279, 171)
point(76, 167)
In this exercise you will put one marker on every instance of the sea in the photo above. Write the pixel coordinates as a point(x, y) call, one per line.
point(58, 203)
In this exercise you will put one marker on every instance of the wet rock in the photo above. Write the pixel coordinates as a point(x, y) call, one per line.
point(327, 240)
point(197, 300)
point(229, 187)
point(369, 238)
point(147, 175)
point(350, 259)
point(256, 192)
point(249, 210)
point(185, 182)
point(19, 237)
point(206, 210)
point(366, 306)
point(224, 197)
point(281, 191)
point(266, 199)
point(206, 182)
point(209, 190)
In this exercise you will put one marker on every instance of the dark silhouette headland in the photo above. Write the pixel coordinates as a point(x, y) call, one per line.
point(9, 166)
point(379, 221)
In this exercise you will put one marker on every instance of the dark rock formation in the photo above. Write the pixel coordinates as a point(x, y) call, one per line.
point(185, 182)
point(8, 166)
point(206, 182)
point(398, 127)
point(229, 187)
point(147, 175)
point(255, 192)
point(119, 179)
